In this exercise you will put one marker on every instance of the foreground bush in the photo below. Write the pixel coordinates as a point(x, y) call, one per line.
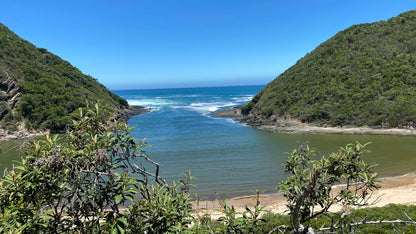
point(88, 181)
point(276, 223)
point(309, 186)
point(82, 180)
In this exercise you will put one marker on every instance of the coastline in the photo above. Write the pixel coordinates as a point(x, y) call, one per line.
point(295, 126)
point(133, 110)
point(4, 135)
point(394, 190)
point(307, 128)
point(22, 133)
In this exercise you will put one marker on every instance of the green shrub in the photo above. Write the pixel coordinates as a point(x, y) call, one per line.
point(80, 181)
point(359, 75)
point(310, 182)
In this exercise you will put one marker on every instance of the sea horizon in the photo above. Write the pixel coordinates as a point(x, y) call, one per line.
point(196, 87)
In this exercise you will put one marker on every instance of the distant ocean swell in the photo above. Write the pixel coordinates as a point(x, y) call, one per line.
point(181, 102)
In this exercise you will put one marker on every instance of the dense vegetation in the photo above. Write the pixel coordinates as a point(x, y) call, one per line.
point(364, 75)
point(311, 182)
point(390, 212)
point(42, 90)
point(82, 181)
point(95, 178)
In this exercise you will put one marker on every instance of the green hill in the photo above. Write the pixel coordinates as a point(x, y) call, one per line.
point(364, 75)
point(39, 90)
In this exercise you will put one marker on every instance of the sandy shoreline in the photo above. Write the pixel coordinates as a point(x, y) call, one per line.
point(4, 136)
point(307, 128)
point(397, 190)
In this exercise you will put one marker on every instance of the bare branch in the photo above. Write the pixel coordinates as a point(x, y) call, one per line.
point(278, 228)
point(373, 222)
point(144, 172)
point(408, 216)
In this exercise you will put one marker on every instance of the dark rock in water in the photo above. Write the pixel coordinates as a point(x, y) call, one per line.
point(233, 112)
point(132, 111)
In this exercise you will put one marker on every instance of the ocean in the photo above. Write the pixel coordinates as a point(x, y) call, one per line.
point(230, 158)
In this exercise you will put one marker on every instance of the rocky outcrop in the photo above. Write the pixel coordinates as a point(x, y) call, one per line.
point(9, 94)
point(254, 119)
point(132, 111)
point(234, 112)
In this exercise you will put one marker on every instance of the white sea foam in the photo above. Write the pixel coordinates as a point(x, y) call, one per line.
point(157, 102)
point(208, 107)
point(245, 98)
point(228, 120)
point(203, 108)
point(233, 121)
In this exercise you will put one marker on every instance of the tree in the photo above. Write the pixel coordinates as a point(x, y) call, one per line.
point(80, 182)
point(309, 188)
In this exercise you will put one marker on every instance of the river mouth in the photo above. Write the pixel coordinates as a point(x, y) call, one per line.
point(228, 158)
point(238, 169)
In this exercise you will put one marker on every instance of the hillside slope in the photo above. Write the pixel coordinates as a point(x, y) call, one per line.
point(39, 90)
point(364, 75)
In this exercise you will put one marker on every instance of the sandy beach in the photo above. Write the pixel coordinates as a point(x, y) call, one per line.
point(397, 190)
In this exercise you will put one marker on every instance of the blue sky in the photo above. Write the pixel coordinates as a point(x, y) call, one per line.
point(134, 44)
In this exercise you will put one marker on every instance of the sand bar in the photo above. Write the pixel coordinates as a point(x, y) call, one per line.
point(397, 190)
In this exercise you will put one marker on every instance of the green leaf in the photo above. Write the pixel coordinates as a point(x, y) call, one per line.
point(123, 220)
point(120, 229)
point(118, 198)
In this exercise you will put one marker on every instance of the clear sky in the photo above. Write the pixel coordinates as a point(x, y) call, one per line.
point(134, 44)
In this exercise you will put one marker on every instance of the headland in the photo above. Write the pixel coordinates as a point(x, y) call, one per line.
point(288, 125)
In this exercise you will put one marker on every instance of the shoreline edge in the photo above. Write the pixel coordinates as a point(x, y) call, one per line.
point(296, 126)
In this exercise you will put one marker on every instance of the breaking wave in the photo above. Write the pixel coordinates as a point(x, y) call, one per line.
point(207, 107)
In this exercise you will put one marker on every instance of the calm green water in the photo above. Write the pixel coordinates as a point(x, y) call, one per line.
point(10, 152)
point(229, 158)
point(395, 155)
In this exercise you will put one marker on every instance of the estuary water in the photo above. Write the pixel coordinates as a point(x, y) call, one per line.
point(232, 159)
point(229, 158)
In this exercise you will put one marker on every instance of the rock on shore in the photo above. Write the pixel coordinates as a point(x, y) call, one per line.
point(233, 112)
point(280, 124)
point(5, 135)
point(22, 132)
point(132, 111)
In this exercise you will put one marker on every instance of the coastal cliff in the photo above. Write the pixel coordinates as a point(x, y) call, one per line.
point(362, 76)
point(41, 92)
